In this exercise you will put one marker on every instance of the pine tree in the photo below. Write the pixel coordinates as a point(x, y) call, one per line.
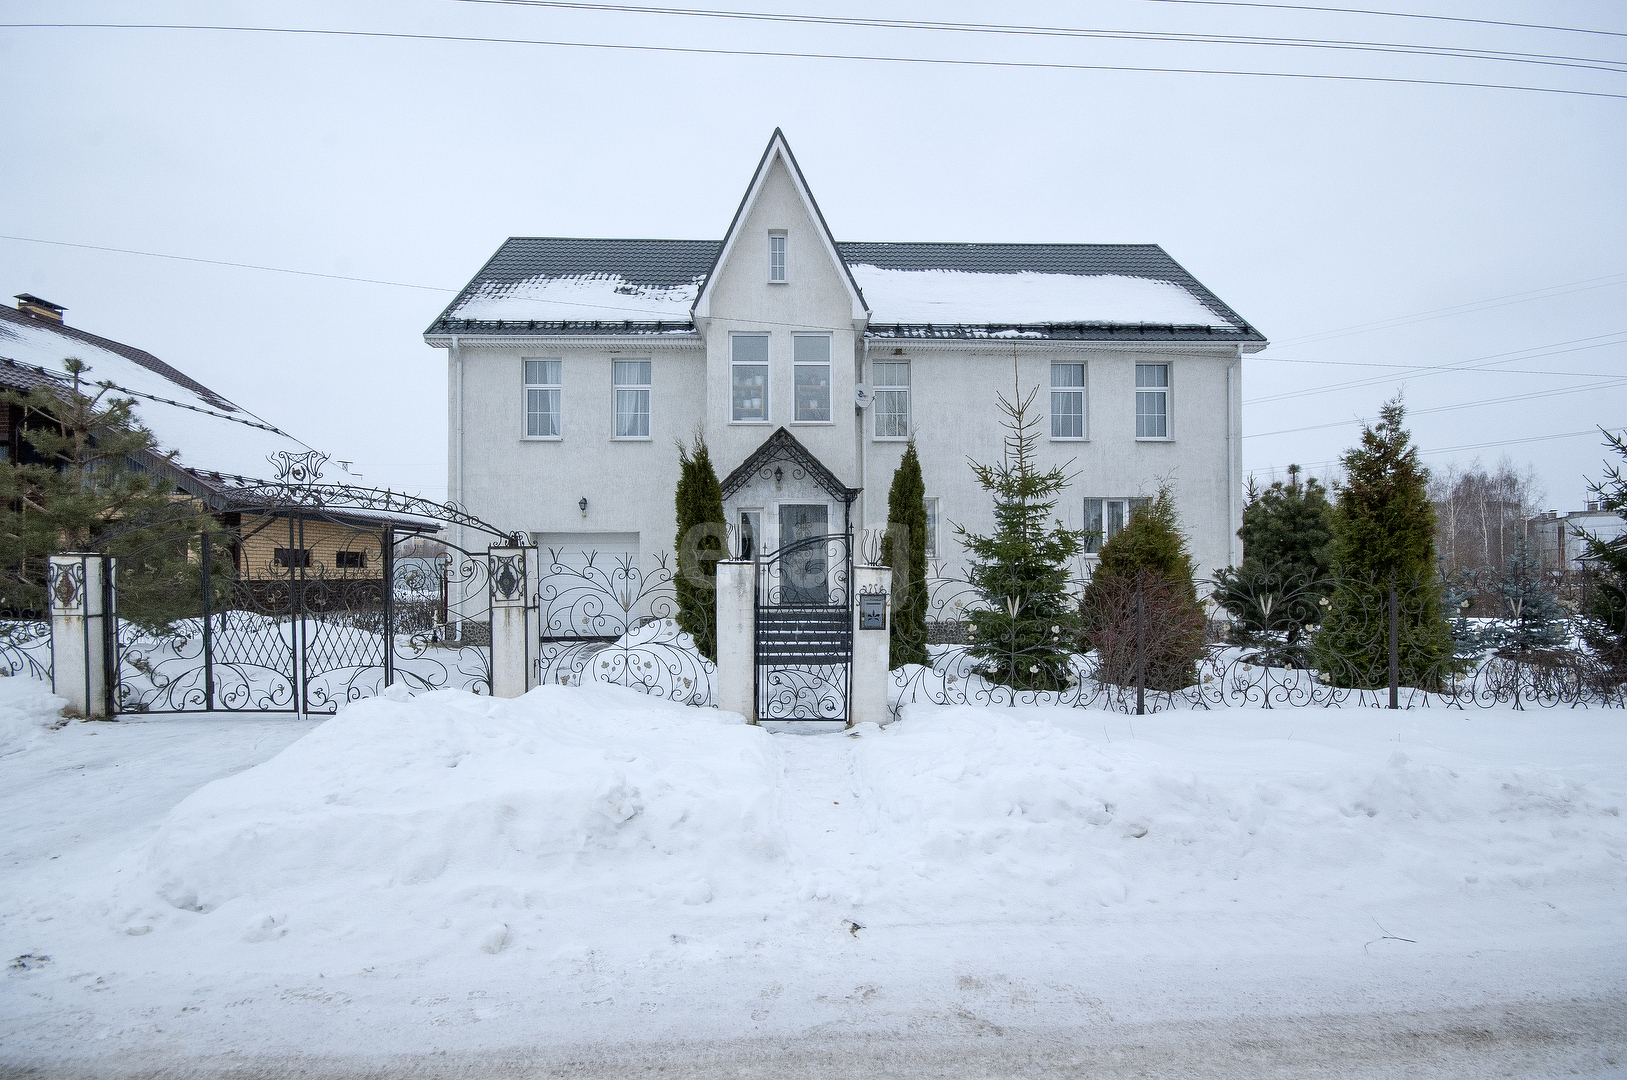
point(86, 489)
point(1605, 628)
point(1532, 617)
point(1287, 536)
point(1148, 565)
point(701, 530)
point(1384, 533)
point(906, 525)
point(1022, 635)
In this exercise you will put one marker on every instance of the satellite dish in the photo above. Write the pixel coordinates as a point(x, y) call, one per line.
point(863, 396)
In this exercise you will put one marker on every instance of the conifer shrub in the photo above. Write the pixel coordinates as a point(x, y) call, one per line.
point(1532, 619)
point(1384, 535)
point(1143, 589)
point(1276, 593)
point(1024, 628)
point(81, 486)
point(904, 549)
point(699, 544)
point(1604, 610)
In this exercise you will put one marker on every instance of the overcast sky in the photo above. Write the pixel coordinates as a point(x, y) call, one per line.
point(1316, 208)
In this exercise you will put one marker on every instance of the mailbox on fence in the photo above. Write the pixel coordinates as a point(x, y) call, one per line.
point(872, 611)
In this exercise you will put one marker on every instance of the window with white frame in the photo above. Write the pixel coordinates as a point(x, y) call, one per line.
point(891, 382)
point(932, 527)
point(776, 256)
point(748, 377)
point(1152, 401)
point(810, 355)
point(542, 399)
point(1067, 401)
point(1106, 518)
point(632, 386)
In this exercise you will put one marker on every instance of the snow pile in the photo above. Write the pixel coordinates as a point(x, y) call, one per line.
point(28, 710)
point(957, 296)
point(592, 792)
point(579, 298)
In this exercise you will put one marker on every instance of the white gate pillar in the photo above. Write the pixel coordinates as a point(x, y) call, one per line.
point(736, 629)
point(80, 631)
point(515, 633)
point(872, 616)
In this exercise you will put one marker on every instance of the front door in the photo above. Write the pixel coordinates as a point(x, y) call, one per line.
point(804, 571)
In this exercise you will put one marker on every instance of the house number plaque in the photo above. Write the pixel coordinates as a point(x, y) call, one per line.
point(872, 611)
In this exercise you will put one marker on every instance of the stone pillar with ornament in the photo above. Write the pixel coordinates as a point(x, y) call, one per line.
point(515, 633)
point(80, 585)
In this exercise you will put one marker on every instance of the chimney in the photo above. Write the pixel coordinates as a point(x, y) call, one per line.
point(34, 307)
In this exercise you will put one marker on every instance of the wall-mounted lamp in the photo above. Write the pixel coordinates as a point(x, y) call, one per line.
point(779, 475)
point(583, 506)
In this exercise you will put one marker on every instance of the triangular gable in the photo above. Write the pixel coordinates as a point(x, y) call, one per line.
point(783, 446)
point(779, 148)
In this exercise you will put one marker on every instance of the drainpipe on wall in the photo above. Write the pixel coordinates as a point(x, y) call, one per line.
point(864, 461)
point(1232, 424)
point(457, 430)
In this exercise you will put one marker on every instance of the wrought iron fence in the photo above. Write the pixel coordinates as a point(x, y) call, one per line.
point(1340, 641)
point(25, 648)
point(605, 618)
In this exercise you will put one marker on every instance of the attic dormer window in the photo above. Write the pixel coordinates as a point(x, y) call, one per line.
point(776, 256)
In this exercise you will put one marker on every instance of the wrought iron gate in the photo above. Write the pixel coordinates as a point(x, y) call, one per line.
point(295, 611)
point(804, 636)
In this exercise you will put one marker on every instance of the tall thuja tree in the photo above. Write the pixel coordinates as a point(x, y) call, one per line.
point(904, 549)
point(1141, 606)
point(90, 484)
point(1605, 609)
point(1023, 632)
point(699, 543)
point(1384, 532)
point(1287, 539)
point(1531, 616)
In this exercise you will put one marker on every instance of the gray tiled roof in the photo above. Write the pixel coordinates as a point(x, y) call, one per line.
point(678, 262)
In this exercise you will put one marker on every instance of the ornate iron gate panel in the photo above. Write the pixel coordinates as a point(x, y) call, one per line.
point(296, 611)
point(804, 635)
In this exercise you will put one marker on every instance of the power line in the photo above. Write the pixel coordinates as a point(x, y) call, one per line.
point(1405, 48)
point(1390, 15)
point(222, 262)
point(1506, 300)
point(778, 54)
point(1590, 388)
point(1466, 446)
point(1479, 363)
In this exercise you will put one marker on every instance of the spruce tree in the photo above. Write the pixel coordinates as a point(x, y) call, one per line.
point(1605, 606)
point(1146, 564)
point(904, 549)
point(1384, 532)
point(1023, 632)
point(1287, 536)
point(84, 487)
point(1532, 617)
point(699, 505)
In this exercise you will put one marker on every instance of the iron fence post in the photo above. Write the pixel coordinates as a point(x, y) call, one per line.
point(1395, 646)
point(1141, 650)
point(208, 627)
point(387, 554)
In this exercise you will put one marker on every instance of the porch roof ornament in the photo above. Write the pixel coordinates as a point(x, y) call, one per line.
point(298, 470)
point(782, 447)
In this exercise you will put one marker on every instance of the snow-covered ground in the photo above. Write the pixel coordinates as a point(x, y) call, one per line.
point(588, 881)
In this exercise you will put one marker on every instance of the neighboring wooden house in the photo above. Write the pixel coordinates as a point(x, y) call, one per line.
point(576, 366)
point(222, 447)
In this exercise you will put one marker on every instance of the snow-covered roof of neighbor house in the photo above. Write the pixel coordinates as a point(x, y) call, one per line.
point(554, 285)
point(213, 435)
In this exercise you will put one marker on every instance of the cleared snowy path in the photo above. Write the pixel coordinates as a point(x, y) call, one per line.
point(587, 884)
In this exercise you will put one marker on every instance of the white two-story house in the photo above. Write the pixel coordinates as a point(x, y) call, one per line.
point(577, 366)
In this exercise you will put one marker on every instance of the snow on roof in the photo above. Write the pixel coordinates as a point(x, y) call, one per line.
point(577, 297)
point(211, 433)
point(956, 296)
